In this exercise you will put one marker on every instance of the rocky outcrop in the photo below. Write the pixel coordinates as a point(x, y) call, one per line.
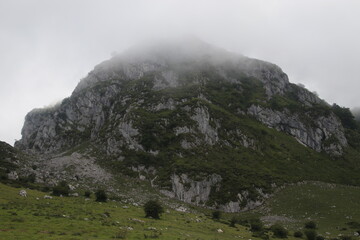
point(324, 133)
point(198, 192)
point(202, 119)
point(244, 202)
point(74, 168)
point(274, 79)
point(190, 191)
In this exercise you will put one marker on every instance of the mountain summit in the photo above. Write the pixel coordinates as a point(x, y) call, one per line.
point(204, 125)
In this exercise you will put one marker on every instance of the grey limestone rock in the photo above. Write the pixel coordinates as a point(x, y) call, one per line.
point(190, 191)
point(313, 136)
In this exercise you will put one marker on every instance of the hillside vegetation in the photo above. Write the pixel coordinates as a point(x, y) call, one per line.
point(333, 208)
point(34, 217)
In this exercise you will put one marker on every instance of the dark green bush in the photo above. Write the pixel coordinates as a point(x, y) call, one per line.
point(216, 215)
point(298, 234)
point(101, 196)
point(153, 209)
point(310, 234)
point(233, 221)
point(256, 225)
point(345, 115)
point(353, 224)
point(3, 176)
point(279, 231)
point(319, 237)
point(61, 189)
point(87, 194)
point(346, 237)
point(310, 225)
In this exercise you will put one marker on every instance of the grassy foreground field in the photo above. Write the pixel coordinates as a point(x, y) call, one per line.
point(34, 217)
point(334, 208)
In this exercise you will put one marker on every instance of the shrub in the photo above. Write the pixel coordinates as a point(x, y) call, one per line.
point(45, 189)
point(353, 225)
point(345, 237)
point(3, 176)
point(279, 231)
point(233, 221)
point(310, 234)
point(319, 237)
point(256, 225)
point(101, 196)
point(61, 189)
point(216, 215)
point(298, 234)
point(310, 225)
point(87, 194)
point(153, 209)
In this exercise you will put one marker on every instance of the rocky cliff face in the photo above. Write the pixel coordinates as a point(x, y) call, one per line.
point(163, 106)
point(315, 134)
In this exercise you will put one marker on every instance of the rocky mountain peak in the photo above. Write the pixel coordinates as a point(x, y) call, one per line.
point(168, 60)
point(186, 115)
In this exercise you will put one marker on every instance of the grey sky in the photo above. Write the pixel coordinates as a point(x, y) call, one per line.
point(46, 47)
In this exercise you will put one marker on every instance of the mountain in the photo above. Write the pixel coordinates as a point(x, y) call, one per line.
point(199, 123)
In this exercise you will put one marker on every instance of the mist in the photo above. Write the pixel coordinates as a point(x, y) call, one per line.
point(356, 113)
point(48, 46)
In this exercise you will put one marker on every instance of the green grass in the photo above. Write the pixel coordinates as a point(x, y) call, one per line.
point(75, 218)
point(331, 206)
point(334, 208)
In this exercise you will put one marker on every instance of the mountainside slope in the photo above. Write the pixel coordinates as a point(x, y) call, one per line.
point(203, 125)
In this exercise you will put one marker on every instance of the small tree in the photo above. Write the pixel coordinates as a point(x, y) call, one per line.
point(216, 215)
point(101, 196)
point(256, 225)
point(153, 209)
point(346, 237)
point(279, 231)
point(298, 234)
point(310, 234)
point(87, 194)
point(319, 237)
point(310, 225)
point(233, 221)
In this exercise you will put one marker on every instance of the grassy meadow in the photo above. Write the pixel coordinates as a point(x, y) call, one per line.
point(334, 208)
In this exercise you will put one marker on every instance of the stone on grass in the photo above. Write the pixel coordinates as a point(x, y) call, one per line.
point(23, 193)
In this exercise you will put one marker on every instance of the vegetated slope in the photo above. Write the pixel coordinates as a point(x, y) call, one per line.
point(335, 208)
point(203, 125)
point(35, 217)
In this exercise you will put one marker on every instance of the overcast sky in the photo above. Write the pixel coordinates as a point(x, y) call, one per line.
point(46, 47)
